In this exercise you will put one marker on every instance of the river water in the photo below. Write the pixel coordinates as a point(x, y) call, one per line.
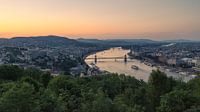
point(120, 67)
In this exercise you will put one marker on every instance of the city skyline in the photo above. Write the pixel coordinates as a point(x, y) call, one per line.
point(105, 19)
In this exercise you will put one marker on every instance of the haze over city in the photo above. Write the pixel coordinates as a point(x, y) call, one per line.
point(101, 19)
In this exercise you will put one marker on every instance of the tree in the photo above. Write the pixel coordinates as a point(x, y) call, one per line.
point(49, 102)
point(45, 78)
point(10, 72)
point(119, 104)
point(33, 73)
point(37, 86)
point(194, 86)
point(4, 87)
point(37, 91)
point(102, 103)
point(132, 101)
point(19, 98)
point(67, 89)
point(158, 84)
point(178, 101)
point(65, 84)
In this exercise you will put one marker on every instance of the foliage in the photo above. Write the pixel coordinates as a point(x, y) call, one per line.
point(10, 72)
point(158, 85)
point(31, 90)
point(19, 98)
point(178, 101)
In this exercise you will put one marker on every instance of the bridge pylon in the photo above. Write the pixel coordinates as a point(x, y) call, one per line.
point(95, 58)
point(125, 58)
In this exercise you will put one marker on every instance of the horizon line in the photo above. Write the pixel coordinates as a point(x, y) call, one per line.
point(86, 38)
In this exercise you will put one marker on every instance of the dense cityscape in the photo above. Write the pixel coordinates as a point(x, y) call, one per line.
point(182, 58)
point(60, 55)
point(47, 55)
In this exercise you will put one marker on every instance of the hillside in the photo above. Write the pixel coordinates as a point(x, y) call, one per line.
point(40, 41)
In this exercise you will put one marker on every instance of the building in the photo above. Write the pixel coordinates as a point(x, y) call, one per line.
point(171, 62)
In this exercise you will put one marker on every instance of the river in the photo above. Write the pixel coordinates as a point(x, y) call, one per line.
point(120, 67)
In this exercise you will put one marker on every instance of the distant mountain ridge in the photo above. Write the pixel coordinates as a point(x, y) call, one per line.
point(118, 41)
point(40, 41)
point(134, 41)
point(59, 41)
point(181, 40)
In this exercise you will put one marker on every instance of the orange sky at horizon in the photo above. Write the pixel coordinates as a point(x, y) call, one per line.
point(101, 19)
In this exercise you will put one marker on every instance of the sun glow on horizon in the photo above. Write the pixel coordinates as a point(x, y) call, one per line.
point(101, 19)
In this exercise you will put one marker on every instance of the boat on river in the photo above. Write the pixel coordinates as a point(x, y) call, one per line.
point(135, 67)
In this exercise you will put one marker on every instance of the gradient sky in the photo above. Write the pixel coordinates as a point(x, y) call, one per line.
point(154, 19)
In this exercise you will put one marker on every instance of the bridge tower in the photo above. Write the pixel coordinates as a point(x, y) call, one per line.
point(95, 58)
point(125, 58)
point(131, 48)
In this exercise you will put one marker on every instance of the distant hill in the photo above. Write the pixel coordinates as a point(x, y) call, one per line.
point(119, 42)
point(180, 41)
point(41, 41)
point(138, 41)
point(45, 40)
point(89, 40)
point(58, 41)
point(133, 41)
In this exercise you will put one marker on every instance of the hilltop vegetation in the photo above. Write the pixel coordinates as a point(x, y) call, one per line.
point(42, 41)
point(31, 90)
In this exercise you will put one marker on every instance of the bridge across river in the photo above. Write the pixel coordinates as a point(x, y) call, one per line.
point(106, 58)
point(96, 58)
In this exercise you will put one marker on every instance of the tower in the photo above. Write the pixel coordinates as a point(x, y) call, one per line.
point(95, 58)
point(125, 58)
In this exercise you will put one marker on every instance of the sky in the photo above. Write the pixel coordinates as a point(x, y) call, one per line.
point(101, 19)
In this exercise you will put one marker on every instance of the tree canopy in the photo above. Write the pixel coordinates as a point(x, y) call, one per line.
point(31, 90)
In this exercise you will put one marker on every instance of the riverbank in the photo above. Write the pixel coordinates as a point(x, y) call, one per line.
point(118, 65)
point(176, 73)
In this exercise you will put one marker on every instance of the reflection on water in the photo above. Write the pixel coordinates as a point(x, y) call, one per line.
point(119, 66)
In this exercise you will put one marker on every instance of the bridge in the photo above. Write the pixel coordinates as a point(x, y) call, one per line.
point(96, 58)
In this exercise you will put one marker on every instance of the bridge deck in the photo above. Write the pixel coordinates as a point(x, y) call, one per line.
point(107, 58)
